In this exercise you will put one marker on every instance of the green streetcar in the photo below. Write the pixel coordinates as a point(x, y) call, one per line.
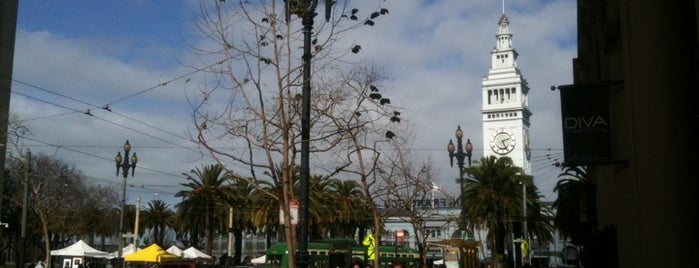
point(341, 253)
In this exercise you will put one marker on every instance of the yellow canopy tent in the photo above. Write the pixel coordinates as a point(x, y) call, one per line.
point(152, 253)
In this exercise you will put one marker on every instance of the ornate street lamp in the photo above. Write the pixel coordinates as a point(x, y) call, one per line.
point(125, 165)
point(460, 157)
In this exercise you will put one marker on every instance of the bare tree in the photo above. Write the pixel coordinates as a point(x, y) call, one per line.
point(247, 114)
point(408, 186)
point(61, 203)
point(366, 120)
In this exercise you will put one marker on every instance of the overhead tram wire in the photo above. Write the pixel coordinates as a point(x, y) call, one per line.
point(95, 156)
point(88, 112)
point(546, 165)
point(47, 116)
point(106, 107)
point(109, 182)
point(108, 121)
point(52, 92)
point(48, 102)
point(166, 82)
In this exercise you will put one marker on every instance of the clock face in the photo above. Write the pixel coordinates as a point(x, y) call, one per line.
point(502, 142)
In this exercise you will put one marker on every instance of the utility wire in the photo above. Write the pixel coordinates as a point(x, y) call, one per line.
point(87, 112)
point(52, 92)
point(106, 106)
point(201, 154)
point(94, 155)
point(103, 107)
point(166, 82)
point(48, 102)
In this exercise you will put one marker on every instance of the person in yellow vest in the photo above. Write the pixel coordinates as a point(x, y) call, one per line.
point(525, 253)
point(370, 244)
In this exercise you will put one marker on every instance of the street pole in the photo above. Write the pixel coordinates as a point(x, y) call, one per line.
point(121, 219)
point(302, 257)
point(307, 14)
point(123, 163)
point(135, 229)
point(230, 235)
point(460, 155)
point(525, 236)
point(25, 204)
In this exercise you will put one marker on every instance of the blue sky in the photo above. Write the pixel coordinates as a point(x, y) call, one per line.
point(436, 53)
point(130, 30)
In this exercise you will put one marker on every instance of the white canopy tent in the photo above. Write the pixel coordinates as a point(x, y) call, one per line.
point(80, 249)
point(259, 260)
point(131, 248)
point(174, 250)
point(193, 253)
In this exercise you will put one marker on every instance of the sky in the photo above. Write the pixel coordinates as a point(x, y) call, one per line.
point(133, 55)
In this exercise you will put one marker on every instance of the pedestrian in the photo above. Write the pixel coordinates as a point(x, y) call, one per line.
point(356, 264)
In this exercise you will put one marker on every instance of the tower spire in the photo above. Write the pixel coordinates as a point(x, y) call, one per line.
point(503, 7)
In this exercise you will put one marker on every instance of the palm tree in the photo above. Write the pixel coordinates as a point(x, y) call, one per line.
point(201, 203)
point(575, 195)
point(321, 213)
point(266, 214)
point(241, 201)
point(159, 217)
point(539, 217)
point(348, 201)
point(493, 195)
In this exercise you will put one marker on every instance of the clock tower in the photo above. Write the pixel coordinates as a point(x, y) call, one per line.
point(505, 103)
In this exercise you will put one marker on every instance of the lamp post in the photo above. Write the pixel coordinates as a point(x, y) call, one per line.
point(525, 235)
point(302, 255)
point(125, 165)
point(460, 157)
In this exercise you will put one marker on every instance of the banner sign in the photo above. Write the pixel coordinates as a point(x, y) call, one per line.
point(293, 213)
point(586, 124)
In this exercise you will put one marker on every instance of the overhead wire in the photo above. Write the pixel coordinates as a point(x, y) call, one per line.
point(166, 82)
point(47, 102)
point(106, 107)
point(94, 155)
point(110, 122)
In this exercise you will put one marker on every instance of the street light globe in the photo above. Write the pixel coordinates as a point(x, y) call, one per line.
point(459, 134)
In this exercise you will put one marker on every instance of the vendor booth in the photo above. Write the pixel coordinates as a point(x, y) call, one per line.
point(193, 253)
point(74, 255)
point(152, 253)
